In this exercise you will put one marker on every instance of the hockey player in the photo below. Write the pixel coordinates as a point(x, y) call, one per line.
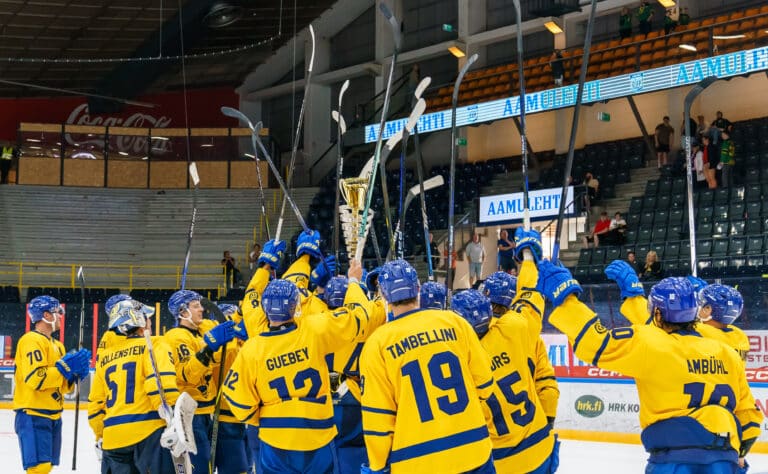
point(423, 376)
point(110, 337)
point(696, 410)
point(432, 295)
point(43, 374)
point(124, 402)
point(280, 379)
point(194, 362)
point(719, 306)
point(522, 437)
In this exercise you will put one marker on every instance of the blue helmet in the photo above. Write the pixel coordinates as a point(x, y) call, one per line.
point(229, 310)
point(371, 279)
point(500, 288)
point(179, 301)
point(675, 299)
point(335, 291)
point(128, 315)
point(42, 304)
point(280, 300)
point(433, 295)
point(726, 302)
point(398, 281)
point(112, 301)
point(475, 308)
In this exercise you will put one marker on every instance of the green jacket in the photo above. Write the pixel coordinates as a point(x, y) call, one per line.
point(727, 152)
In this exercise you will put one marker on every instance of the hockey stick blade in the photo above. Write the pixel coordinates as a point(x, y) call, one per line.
point(422, 87)
point(338, 118)
point(388, 147)
point(236, 114)
point(393, 23)
point(193, 174)
point(416, 113)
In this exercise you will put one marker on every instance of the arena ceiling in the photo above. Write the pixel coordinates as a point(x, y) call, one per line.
point(45, 43)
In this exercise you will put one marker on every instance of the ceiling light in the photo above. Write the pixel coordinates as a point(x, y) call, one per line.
point(689, 47)
point(206, 145)
point(222, 14)
point(159, 138)
point(667, 3)
point(456, 51)
point(35, 148)
point(553, 27)
point(34, 140)
point(144, 157)
point(122, 153)
point(728, 37)
point(249, 155)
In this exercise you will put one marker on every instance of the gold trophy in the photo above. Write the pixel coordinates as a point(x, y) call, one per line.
point(353, 190)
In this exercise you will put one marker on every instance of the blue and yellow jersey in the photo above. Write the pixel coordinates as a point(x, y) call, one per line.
point(687, 384)
point(108, 339)
point(39, 386)
point(522, 438)
point(124, 399)
point(192, 376)
point(280, 379)
point(233, 348)
point(423, 376)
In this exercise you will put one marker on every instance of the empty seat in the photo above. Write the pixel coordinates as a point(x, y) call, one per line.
point(737, 246)
point(598, 256)
point(672, 250)
point(720, 228)
point(719, 247)
point(585, 257)
point(737, 227)
point(704, 247)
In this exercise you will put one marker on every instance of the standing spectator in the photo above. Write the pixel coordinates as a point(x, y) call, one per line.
point(253, 257)
point(434, 252)
point(711, 158)
point(697, 155)
point(593, 187)
point(601, 227)
point(6, 158)
point(719, 125)
point(506, 252)
point(663, 135)
point(685, 18)
point(644, 17)
point(632, 261)
point(556, 63)
point(669, 22)
point(701, 128)
point(625, 23)
point(476, 256)
point(652, 269)
point(727, 160)
point(231, 272)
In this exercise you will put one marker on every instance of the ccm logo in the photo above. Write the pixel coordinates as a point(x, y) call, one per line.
point(757, 375)
point(597, 372)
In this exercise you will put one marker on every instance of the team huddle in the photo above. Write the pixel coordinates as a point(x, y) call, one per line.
point(371, 373)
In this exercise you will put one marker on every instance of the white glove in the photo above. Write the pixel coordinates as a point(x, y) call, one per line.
point(98, 449)
point(170, 440)
point(719, 166)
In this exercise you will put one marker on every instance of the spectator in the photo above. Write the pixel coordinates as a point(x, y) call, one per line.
point(593, 187)
point(556, 63)
point(644, 17)
point(253, 257)
point(6, 158)
point(669, 22)
point(625, 23)
point(454, 258)
point(476, 256)
point(685, 18)
point(652, 268)
point(231, 272)
point(727, 159)
point(433, 251)
point(601, 227)
point(506, 251)
point(701, 128)
point(632, 261)
point(711, 158)
point(719, 125)
point(615, 234)
point(700, 167)
point(663, 135)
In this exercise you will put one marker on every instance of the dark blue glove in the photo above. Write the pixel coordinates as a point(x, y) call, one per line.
point(220, 335)
point(556, 283)
point(272, 253)
point(697, 283)
point(74, 365)
point(625, 276)
point(309, 243)
point(365, 469)
point(322, 273)
point(240, 331)
point(527, 239)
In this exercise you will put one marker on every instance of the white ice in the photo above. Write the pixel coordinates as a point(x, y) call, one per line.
point(576, 457)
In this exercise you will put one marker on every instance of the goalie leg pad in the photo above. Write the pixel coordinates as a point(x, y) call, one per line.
point(278, 461)
point(231, 449)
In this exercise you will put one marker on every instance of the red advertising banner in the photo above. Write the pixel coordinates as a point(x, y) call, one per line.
point(168, 111)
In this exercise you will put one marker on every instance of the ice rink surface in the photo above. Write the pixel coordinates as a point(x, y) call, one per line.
point(576, 457)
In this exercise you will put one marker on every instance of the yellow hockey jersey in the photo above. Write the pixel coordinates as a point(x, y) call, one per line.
point(522, 438)
point(423, 376)
point(124, 399)
point(687, 384)
point(280, 379)
point(39, 386)
point(191, 375)
point(108, 339)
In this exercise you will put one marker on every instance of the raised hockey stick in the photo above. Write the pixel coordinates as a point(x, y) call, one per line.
point(213, 309)
point(574, 129)
point(295, 148)
point(452, 173)
point(81, 279)
point(397, 37)
point(689, 98)
point(190, 235)
point(431, 183)
point(341, 130)
point(523, 145)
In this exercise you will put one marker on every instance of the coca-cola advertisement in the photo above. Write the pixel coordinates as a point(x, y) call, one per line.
point(167, 110)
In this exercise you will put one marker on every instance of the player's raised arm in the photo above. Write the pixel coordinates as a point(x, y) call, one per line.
point(635, 306)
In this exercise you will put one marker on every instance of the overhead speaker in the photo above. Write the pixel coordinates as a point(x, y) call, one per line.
point(222, 14)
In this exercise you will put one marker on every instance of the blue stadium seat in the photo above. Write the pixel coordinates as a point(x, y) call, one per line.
point(719, 247)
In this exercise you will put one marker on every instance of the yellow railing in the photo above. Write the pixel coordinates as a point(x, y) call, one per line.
point(124, 276)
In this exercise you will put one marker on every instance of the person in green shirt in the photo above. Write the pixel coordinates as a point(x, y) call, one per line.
point(625, 23)
point(684, 18)
point(644, 17)
point(669, 22)
point(727, 160)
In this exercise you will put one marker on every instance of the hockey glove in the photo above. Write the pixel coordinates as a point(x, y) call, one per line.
point(74, 365)
point(321, 274)
point(556, 283)
point(309, 243)
point(625, 276)
point(272, 253)
point(527, 239)
point(365, 469)
point(240, 331)
point(220, 335)
point(97, 447)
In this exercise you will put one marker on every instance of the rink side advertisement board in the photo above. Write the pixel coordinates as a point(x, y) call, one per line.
point(543, 204)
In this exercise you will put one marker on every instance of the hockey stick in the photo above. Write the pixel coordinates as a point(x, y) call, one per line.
point(397, 37)
point(689, 98)
point(415, 190)
point(523, 145)
point(212, 308)
point(81, 279)
point(341, 130)
point(190, 235)
point(452, 178)
point(574, 129)
point(295, 148)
